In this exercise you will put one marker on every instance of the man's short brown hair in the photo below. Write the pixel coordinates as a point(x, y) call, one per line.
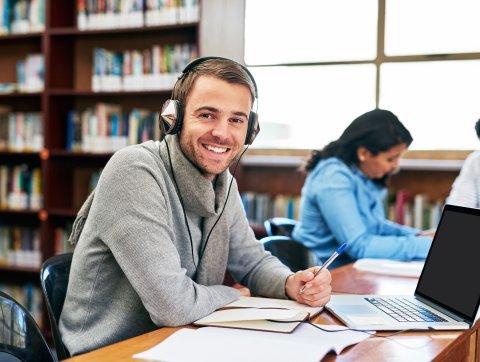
point(224, 69)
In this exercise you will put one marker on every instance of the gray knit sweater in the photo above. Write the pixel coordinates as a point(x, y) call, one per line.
point(132, 269)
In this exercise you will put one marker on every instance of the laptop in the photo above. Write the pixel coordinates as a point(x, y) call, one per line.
point(448, 290)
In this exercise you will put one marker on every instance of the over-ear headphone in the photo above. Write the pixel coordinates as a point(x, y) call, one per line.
point(171, 116)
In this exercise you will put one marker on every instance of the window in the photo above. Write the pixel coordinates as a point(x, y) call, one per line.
point(319, 64)
point(431, 27)
point(311, 31)
point(437, 101)
point(303, 107)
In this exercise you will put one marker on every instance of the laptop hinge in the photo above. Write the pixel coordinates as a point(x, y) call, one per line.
point(441, 309)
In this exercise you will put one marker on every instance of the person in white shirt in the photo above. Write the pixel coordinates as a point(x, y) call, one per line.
point(466, 188)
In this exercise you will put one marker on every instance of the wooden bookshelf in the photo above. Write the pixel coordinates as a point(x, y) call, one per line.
point(277, 173)
point(280, 174)
point(68, 57)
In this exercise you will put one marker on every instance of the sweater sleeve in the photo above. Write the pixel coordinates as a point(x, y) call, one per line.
point(248, 262)
point(337, 201)
point(388, 227)
point(132, 221)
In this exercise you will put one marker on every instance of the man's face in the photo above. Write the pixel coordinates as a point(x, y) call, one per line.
point(215, 124)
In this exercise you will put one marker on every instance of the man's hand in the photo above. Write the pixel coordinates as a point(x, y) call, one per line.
point(242, 289)
point(317, 290)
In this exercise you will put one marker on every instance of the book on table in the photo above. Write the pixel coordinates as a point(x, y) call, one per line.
point(263, 314)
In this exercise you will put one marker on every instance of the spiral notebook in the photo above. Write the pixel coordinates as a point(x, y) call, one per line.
point(262, 314)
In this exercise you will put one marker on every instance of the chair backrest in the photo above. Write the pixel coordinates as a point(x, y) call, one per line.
point(20, 337)
point(279, 226)
point(293, 254)
point(54, 277)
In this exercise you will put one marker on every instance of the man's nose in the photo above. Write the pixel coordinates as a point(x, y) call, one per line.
point(220, 129)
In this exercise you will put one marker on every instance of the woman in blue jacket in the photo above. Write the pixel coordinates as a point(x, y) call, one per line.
point(343, 196)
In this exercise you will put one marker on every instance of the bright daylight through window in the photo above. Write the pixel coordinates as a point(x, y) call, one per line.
point(316, 64)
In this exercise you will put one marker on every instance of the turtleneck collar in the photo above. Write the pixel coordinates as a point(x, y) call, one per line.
point(199, 194)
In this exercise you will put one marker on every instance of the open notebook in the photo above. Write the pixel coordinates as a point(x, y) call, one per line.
point(263, 314)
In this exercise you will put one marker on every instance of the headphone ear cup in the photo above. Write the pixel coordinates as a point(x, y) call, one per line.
point(253, 128)
point(171, 116)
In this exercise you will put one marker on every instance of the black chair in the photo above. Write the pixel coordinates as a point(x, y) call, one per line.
point(54, 277)
point(20, 337)
point(279, 226)
point(293, 254)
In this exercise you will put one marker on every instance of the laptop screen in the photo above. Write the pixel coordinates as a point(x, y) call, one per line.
point(450, 277)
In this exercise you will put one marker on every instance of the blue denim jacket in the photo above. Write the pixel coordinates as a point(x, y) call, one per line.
point(340, 204)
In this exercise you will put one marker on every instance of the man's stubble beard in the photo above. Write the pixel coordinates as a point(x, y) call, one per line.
point(189, 152)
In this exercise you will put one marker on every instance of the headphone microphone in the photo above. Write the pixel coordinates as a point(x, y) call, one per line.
point(171, 122)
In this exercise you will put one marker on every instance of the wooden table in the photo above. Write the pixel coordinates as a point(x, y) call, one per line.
point(409, 346)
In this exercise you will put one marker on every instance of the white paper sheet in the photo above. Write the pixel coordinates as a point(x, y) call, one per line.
point(390, 267)
point(210, 344)
point(246, 314)
point(256, 302)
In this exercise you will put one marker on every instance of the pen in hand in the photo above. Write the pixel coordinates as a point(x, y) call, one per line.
point(329, 261)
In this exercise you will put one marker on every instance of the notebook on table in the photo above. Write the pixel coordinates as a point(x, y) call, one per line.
point(447, 294)
point(263, 314)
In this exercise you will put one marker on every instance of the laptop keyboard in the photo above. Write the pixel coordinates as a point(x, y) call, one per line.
point(404, 310)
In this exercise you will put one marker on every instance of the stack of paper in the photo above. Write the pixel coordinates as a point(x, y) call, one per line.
point(255, 302)
point(260, 314)
point(210, 344)
point(256, 319)
point(390, 267)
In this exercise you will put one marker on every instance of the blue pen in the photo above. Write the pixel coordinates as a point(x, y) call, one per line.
point(329, 261)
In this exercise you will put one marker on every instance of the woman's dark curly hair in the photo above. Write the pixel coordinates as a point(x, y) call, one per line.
point(378, 130)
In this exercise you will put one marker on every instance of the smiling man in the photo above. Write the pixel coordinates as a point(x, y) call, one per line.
point(166, 222)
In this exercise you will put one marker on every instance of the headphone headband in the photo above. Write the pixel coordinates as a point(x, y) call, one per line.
point(188, 68)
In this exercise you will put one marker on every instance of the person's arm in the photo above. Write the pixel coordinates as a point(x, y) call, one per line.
point(248, 262)
point(388, 227)
point(464, 190)
point(134, 225)
point(337, 201)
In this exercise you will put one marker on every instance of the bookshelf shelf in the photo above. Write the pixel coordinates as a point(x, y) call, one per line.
point(16, 37)
point(19, 213)
point(7, 96)
point(19, 154)
point(405, 163)
point(34, 272)
point(65, 31)
point(63, 154)
point(88, 93)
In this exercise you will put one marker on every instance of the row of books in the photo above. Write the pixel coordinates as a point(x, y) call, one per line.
point(60, 240)
point(148, 69)
point(20, 187)
point(107, 128)
point(111, 14)
point(30, 73)
point(30, 76)
point(414, 210)
point(260, 207)
point(20, 131)
point(20, 246)
point(21, 16)
point(30, 297)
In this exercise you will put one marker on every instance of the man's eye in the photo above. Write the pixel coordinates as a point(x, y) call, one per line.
point(206, 115)
point(237, 120)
